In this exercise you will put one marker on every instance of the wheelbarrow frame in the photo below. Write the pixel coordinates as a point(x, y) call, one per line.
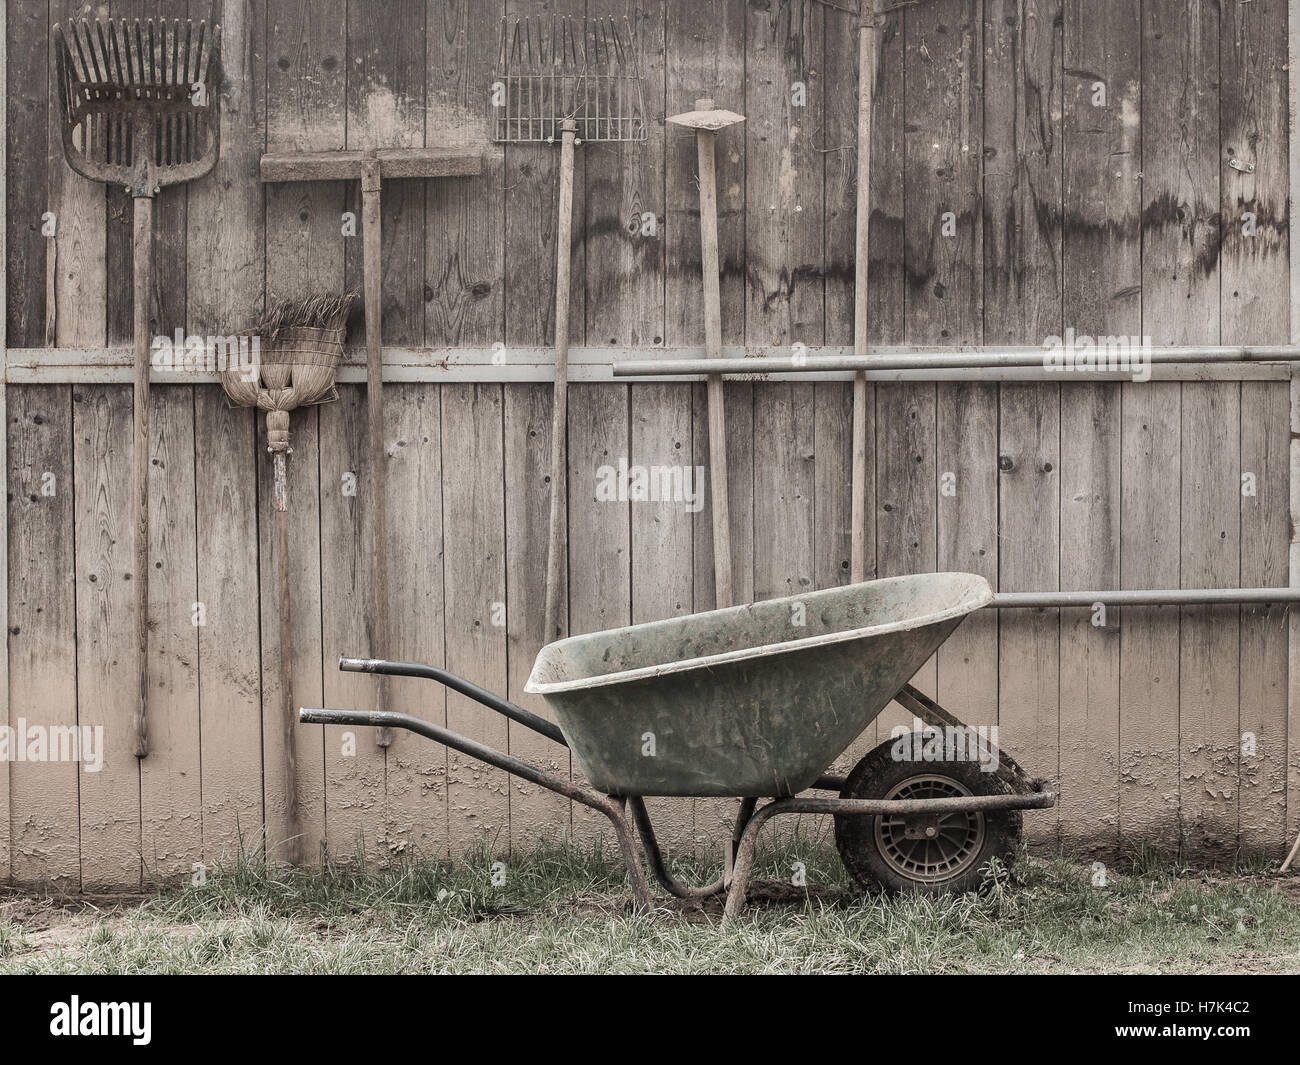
point(1026, 794)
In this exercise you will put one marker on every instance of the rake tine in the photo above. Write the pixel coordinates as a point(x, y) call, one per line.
point(209, 49)
point(77, 55)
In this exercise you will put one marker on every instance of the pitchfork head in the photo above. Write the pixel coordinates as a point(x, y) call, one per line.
point(558, 69)
point(139, 100)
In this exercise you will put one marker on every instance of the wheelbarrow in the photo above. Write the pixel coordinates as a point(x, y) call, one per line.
point(756, 702)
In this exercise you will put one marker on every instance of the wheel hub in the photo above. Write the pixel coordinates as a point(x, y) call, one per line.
point(930, 847)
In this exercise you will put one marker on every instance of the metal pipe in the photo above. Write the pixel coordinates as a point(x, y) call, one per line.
point(1144, 597)
point(480, 695)
point(884, 360)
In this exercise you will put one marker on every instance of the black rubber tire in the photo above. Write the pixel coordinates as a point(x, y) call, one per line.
point(858, 838)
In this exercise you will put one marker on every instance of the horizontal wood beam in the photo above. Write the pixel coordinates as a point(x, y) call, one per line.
point(102, 366)
point(393, 163)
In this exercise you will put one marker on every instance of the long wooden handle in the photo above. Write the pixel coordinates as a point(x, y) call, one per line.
point(289, 719)
point(866, 90)
point(142, 250)
point(557, 538)
point(705, 144)
point(380, 646)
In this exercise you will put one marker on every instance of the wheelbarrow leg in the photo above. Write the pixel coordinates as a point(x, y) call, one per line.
point(660, 868)
point(745, 856)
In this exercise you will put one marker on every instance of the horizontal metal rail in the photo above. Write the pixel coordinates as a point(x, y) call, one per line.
point(1144, 597)
point(106, 366)
point(989, 359)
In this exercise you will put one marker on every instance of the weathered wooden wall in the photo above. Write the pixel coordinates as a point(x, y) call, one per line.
point(1114, 214)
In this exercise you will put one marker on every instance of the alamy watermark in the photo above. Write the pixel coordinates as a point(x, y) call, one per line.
point(624, 483)
point(53, 743)
point(193, 353)
point(1080, 353)
point(920, 742)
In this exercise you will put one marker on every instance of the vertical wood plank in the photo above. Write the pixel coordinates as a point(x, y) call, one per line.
point(535, 813)
point(1029, 493)
point(464, 254)
point(1254, 298)
point(386, 109)
point(27, 105)
point(599, 534)
point(109, 799)
point(355, 770)
point(1103, 284)
point(705, 56)
point(46, 834)
point(230, 697)
point(1181, 261)
point(80, 281)
point(1209, 673)
point(624, 188)
point(5, 863)
point(417, 769)
point(474, 567)
point(661, 566)
point(227, 237)
point(170, 778)
point(305, 607)
point(1022, 281)
point(1150, 544)
point(1265, 434)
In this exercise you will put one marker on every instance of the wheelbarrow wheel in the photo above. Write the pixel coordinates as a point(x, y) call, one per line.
point(929, 854)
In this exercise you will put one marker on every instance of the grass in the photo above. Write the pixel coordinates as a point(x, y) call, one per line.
point(566, 910)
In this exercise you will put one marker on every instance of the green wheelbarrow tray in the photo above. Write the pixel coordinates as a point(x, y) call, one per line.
point(751, 700)
point(747, 702)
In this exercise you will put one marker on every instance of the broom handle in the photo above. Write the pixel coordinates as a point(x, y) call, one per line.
point(557, 539)
point(867, 57)
point(142, 250)
point(705, 146)
point(281, 502)
point(373, 274)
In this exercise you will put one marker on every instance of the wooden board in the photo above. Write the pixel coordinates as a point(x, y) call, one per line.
point(170, 778)
point(45, 821)
point(230, 717)
point(27, 107)
point(355, 770)
point(473, 520)
point(464, 258)
point(600, 537)
point(305, 607)
point(1150, 442)
point(1254, 294)
point(417, 769)
point(705, 56)
point(1029, 488)
point(107, 678)
point(535, 813)
point(662, 577)
point(1102, 256)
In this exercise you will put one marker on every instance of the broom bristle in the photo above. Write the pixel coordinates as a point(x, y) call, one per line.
point(324, 310)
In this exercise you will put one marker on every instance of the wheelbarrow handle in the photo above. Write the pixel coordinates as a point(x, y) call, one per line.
point(390, 719)
point(459, 684)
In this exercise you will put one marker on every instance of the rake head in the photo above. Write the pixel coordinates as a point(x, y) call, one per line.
point(557, 69)
point(139, 100)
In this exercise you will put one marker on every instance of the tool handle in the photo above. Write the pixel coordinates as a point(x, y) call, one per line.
point(557, 538)
point(142, 249)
